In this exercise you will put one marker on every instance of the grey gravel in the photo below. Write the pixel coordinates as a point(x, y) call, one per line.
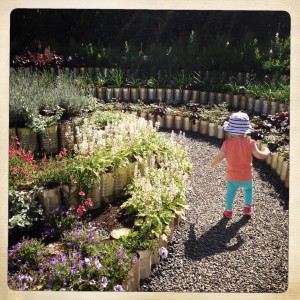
point(210, 253)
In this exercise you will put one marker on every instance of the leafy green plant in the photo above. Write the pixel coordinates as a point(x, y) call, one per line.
point(116, 77)
point(24, 210)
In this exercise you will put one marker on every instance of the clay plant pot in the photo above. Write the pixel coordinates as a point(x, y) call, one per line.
point(211, 97)
point(101, 93)
point(28, 139)
point(170, 120)
point(171, 230)
point(144, 115)
point(187, 124)
point(195, 125)
point(179, 213)
point(203, 127)
point(152, 118)
point(130, 171)
point(243, 102)
point(228, 99)
point(95, 195)
point(281, 107)
point(49, 140)
point(145, 263)
point(219, 98)
point(265, 106)
point(178, 122)
point(109, 94)
point(236, 101)
point(257, 106)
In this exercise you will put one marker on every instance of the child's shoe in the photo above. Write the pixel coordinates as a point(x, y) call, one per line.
point(247, 210)
point(228, 213)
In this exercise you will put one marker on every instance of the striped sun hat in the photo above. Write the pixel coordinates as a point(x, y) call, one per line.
point(238, 124)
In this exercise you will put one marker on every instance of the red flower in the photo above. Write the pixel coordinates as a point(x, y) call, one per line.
point(14, 170)
point(81, 193)
point(74, 181)
point(25, 172)
point(87, 153)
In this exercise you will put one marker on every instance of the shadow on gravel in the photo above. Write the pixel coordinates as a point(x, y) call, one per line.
point(266, 174)
point(216, 240)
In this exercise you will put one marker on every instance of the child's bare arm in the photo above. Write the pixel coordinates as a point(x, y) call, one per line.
point(219, 157)
point(261, 154)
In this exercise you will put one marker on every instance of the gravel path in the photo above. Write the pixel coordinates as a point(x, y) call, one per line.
point(210, 253)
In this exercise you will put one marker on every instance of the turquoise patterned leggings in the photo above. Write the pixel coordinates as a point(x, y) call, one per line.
point(232, 187)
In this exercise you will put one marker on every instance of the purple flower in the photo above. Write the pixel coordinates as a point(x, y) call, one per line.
point(118, 288)
point(87, 261)
point(104, 281)
point(163, 252)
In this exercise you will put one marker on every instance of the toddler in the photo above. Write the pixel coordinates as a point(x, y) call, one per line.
point(238, 150)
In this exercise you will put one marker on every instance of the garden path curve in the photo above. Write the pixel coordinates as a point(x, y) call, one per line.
point(210, 253)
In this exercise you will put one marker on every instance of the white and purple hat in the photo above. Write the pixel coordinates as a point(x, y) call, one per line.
point(238, 124)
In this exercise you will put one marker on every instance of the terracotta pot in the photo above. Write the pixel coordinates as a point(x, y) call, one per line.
point(107, 187)
point(152, 118)
point(279, 164)
point(281, 107)
point(82, 71)
point(169, 94)
point(66, 136)
point(152, 94)
point(161, 94)
point(121, 180)
point(250, 103)
point(143, 93)
point(145, 263)
point(195, 96)
point(68, 197)
point(126, 94)
point(134, 94)
point(220, 132)
point(284, 169)
point(178, 122)
point(51, 199)
point(28, 139)
point(186, 96)
point(187, 124)
point(178, 216)
point(169, 123)
point(203, 96)
point(155, 258)
point(212, 129)
point(49, 140)
point(161, 120)
point(203, 127)
point(195, 125)
point(171, 231)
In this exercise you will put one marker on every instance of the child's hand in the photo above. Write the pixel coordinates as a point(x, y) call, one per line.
point(266, 151)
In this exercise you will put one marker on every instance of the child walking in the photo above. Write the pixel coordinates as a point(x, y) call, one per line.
point(238, 150)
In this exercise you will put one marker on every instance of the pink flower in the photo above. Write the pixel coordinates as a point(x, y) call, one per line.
point(25, 172)
point(87, 153)
point(81, 193)
point(89, 202)
point(81, 210)
point(14, 170)
point(74, 181)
